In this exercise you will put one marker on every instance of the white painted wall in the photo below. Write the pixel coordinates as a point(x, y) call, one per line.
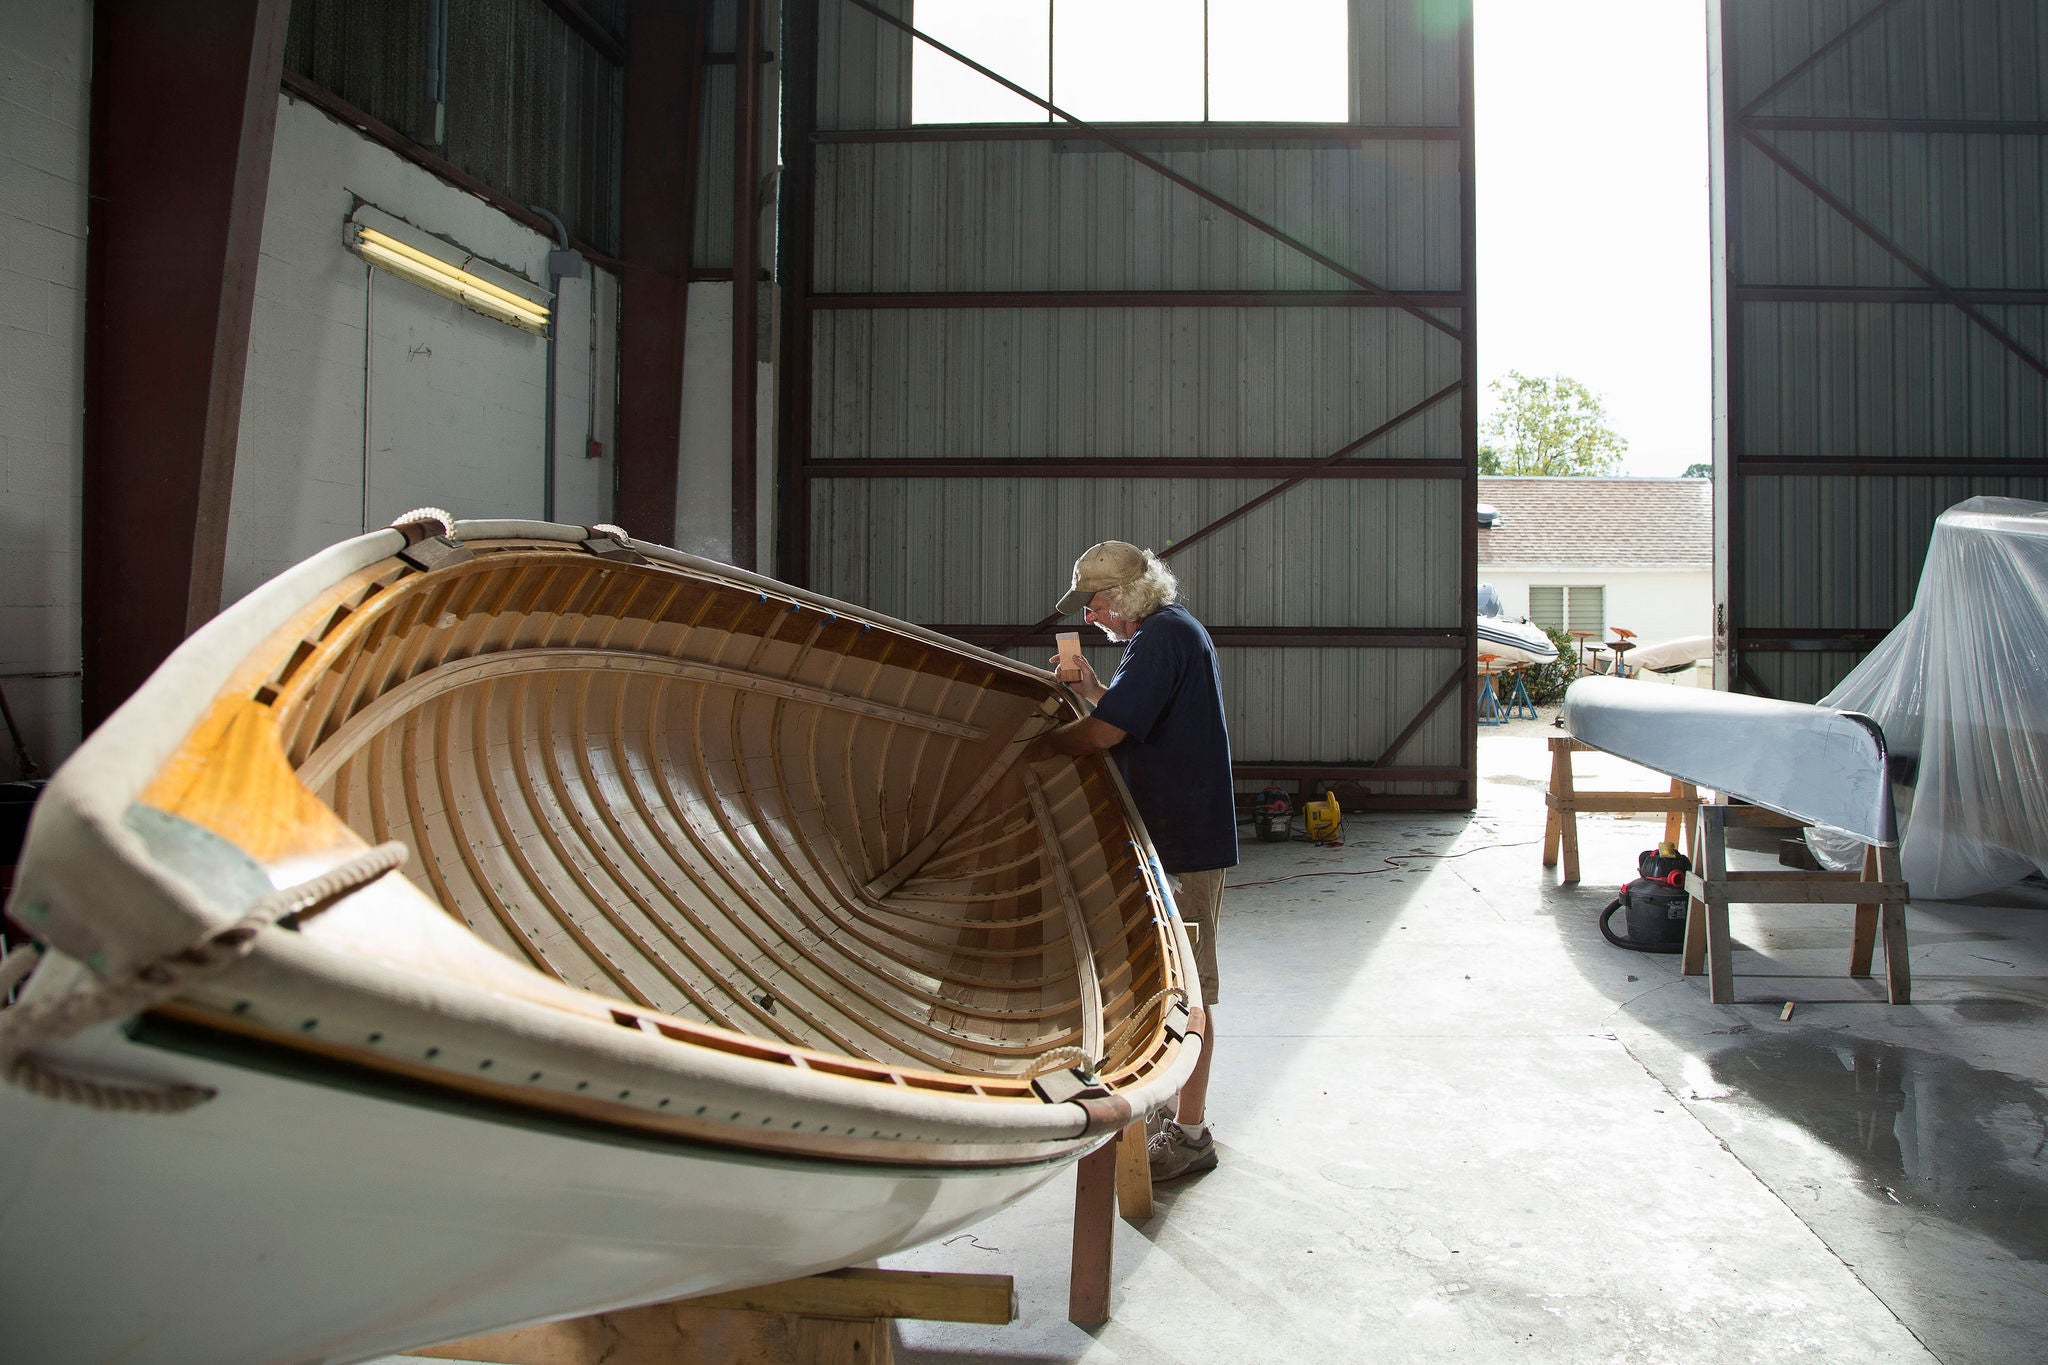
point(1655, 604)
point(704, 480)
point(45, 61)
point(367, 396)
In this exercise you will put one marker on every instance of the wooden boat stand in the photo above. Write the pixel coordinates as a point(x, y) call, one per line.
point(1681, 806)
point(1877, 893)
point(842, 1316)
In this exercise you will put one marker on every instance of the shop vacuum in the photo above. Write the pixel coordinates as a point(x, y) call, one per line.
point(1653, 905)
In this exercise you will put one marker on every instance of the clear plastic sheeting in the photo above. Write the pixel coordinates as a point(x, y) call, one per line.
point(1960, 688)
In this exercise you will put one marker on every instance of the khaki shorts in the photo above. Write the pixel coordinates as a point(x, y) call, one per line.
point(1200, 898)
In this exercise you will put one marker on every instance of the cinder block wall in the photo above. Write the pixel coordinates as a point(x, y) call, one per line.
point(367, 395)
point(436, 404)
point(45, 54)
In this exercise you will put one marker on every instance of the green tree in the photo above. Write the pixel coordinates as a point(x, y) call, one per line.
point(1547, 426)
point(1698, 471)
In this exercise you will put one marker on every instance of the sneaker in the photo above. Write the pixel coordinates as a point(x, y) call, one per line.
point(1155, 1123)
point(1175, 1153)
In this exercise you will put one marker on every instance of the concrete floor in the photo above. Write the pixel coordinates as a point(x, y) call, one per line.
point(1456, 1124)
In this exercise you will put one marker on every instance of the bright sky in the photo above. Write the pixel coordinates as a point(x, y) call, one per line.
point(1593, 214)
point(1593, 247)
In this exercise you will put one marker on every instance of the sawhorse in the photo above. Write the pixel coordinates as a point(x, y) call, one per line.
point(1565, 802)
point(1877, 893)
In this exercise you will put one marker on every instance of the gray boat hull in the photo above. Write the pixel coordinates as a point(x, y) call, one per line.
point(1813, 763)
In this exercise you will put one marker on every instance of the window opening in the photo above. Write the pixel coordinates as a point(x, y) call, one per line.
point(1135, 61)
point(1567, 607)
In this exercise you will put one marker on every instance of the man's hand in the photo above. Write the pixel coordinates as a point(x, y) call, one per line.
point(1080, 676)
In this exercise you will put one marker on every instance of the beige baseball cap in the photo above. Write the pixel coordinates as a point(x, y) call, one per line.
point(1111, 564)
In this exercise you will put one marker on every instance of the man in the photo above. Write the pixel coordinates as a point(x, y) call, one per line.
point(1161, 719)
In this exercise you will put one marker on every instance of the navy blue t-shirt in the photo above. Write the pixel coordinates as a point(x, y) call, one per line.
point(1167, 698)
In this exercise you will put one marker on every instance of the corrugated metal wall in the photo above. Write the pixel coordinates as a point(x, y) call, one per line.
point(990, 330)
point(532, 106)
point(1884, 315)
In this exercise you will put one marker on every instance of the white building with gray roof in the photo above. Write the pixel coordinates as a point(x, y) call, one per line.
point(1594, 554)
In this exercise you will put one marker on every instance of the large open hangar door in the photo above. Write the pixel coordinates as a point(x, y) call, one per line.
point(1247, 346)
point(1882, 301)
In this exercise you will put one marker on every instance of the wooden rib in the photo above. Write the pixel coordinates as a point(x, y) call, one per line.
point(842, 977)
point(480, 739)
point(674, 855)
point(1077, 925)
point(907, 866)
point(523, 746)
point(666, 789)
point(933, 969)
point(606, 813)
point(541, 659)
point(419, 834)
point(444, 773)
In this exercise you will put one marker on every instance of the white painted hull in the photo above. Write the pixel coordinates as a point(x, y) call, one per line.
point(295, 1221)
point(1814, 763)
point(1514, 642)
point(1667, 656)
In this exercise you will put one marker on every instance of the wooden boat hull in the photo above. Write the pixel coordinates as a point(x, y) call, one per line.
point(1814, 763)
point(707, 876)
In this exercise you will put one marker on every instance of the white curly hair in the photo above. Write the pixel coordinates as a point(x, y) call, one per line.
point(1145, 594)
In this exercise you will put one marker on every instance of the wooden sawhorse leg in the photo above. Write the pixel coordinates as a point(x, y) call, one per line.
point(1706, 917)
point(1887, 917)
point(1114, 1178)
point(1561, 821)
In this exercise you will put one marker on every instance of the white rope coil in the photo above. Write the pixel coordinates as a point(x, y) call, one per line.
point(28, 1025)
point(447, 519)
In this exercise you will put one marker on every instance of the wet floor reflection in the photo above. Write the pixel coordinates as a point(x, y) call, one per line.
point(1931, 1131)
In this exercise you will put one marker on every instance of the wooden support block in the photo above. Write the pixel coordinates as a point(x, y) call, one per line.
point(1133, 1174)
point(1632, 803)
point(1094, 1229)
point(863, 1292)
point(1800, 888)
point(838, 1318)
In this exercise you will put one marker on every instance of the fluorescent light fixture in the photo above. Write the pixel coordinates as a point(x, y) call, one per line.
point(392, 244)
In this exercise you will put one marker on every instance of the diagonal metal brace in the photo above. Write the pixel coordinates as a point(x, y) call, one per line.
point(1161, 168)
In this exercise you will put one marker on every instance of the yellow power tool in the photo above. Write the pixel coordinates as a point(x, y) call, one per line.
point(1324, 819)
